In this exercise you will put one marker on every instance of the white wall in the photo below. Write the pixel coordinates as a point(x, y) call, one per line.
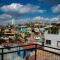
point(53, 37)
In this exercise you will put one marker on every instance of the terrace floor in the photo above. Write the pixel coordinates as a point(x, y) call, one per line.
point(41, 55)
point(44, 55)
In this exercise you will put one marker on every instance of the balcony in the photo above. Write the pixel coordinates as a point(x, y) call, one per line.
point(37, 52)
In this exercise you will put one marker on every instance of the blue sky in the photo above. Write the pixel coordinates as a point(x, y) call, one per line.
point(29, 10)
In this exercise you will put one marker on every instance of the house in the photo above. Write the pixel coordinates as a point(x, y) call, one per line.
point(52, 39)
point(25, 29)
point(10, 33)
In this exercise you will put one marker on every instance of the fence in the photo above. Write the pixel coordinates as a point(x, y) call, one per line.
point(38, 52)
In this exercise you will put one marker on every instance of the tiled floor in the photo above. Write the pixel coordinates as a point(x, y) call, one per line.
point(43, 55)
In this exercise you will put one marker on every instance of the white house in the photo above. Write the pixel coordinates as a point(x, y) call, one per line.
point(52, 40)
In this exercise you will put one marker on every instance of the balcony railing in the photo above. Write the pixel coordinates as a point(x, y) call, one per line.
point(38, 52)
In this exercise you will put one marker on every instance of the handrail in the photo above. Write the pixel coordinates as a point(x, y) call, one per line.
point(36, 47)
point(50, 47)
point(28, 48)
point(30, 45)
point(18, 46)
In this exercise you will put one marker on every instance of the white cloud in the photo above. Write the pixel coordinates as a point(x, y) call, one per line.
point(43, 19)
point(21, 21)
point(15, 7)
point(6, 22)
point(55, 19)
point(40, 19)
point(56, 9)
point(5, 17)
point(15, 10)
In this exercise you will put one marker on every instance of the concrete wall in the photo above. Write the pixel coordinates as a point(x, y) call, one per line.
point(53, 37)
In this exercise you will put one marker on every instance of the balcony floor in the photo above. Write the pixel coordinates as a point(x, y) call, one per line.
point(43, 55)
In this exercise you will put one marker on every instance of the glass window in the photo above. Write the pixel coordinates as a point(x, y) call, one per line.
point(48, 42)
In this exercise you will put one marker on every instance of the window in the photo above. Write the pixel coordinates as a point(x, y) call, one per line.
point(58, 43)
point(48, 42)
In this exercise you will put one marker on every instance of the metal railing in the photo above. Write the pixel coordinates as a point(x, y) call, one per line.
point(39, 53)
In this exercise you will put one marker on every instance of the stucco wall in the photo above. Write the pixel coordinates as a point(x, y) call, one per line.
point(53, 37)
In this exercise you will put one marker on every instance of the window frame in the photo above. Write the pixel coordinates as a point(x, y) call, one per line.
point(49, 42)
point(57, 43)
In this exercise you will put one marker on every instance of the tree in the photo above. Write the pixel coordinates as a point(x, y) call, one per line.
point(2, 32)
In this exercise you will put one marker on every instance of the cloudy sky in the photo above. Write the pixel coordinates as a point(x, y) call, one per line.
point(20, 11)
